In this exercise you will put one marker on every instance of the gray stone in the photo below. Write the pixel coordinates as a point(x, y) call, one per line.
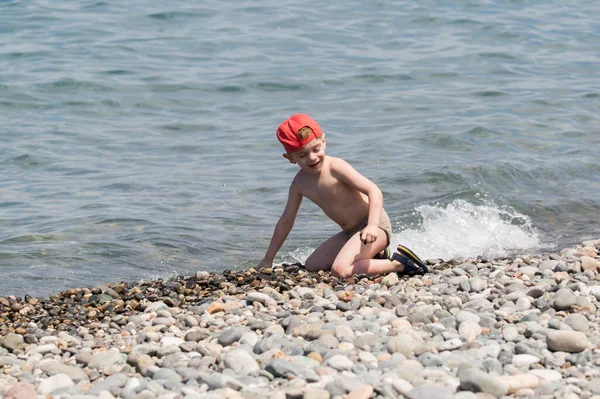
point(449, 345)
point(535, 292)
point(309, 331)
point(404, 343)
point(175, 360)
point(166, 374)
point(8, 360)
point(283, 368)
point(464, 285)
point(293, 322)
point(344, 333)
point(75, 373)
point(197, 335)
point(340, 362)
point(464, 316)
point(241, 362)
point(474, 380)
point(478, 284)
point(548, 265)
point(563, 299)
point(510, 333)
point(578, 322)
point(305, 292)
point(13, 342)
point(231, 335)
point(410, 370)
point(366, 340)
point(430, 392)
point(329, 340)
point(341, 385)
point(112, 384)
point(419, 318)
point(106, 359)
point(492, 366)
point(305, 362)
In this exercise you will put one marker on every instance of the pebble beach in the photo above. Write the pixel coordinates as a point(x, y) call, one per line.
point(525, 326)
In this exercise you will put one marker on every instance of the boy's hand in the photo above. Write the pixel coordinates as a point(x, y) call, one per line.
point(268, 263)
point(369, 234)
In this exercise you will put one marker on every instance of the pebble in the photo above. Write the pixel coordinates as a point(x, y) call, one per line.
point(578, 322)
point(475, 380)
point(524, 360)
point(54, 383)
point(514, 383)
point(469, 330)
point(474, 329)
point(362, 392)
point(567, 341)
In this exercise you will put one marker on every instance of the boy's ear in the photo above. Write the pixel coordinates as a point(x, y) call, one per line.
point(289, 158)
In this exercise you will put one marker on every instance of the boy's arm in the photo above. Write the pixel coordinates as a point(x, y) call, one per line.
point(347, 174)
point(283, 227)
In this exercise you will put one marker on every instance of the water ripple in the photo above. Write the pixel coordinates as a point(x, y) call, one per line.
point(139, 139)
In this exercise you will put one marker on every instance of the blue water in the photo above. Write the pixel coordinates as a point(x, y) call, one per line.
point(138, 139)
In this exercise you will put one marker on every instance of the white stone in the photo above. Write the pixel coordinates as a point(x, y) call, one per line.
point(522, 304)
point(524, 360)
point(166, 341)
point(469, 330)
point(55, 382)
point(547, 374)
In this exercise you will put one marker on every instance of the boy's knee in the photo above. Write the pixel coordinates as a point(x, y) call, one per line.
point(341, 271)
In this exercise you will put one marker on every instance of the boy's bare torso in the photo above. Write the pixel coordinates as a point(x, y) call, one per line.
point(342, 203)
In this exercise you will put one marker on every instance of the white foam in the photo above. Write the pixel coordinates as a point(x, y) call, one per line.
point(465, 230)
point(301, 254)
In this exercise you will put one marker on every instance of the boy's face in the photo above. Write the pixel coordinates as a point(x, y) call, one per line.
point(310, 157)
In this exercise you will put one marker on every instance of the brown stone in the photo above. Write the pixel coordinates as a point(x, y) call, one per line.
point(315, 356)
point(362, 392)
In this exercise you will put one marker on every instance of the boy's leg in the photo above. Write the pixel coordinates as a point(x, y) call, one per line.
point(322, 258)
point(356, 258)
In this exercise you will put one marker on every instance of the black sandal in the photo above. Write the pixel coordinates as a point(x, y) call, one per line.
point(413, 265)
point(384, 254)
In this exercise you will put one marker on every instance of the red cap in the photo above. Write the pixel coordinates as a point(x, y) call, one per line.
point(287, 133)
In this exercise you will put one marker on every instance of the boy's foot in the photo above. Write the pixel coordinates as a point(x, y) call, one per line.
point(385, 254)
point(413, 265)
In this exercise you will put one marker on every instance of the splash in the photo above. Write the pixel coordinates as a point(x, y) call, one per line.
point(464, 230)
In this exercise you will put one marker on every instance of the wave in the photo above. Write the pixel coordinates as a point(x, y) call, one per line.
point(462, 230)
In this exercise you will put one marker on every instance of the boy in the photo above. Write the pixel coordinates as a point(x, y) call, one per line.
point(345, 196)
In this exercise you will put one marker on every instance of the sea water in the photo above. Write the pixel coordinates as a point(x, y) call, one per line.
point(138, 139)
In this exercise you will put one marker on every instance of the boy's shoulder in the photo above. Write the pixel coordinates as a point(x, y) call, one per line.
point(339, 165)
point(337, 162)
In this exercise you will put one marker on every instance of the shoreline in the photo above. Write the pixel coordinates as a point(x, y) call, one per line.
point(523, 326)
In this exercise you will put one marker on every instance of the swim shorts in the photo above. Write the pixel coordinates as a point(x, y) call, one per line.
point(384, 224)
